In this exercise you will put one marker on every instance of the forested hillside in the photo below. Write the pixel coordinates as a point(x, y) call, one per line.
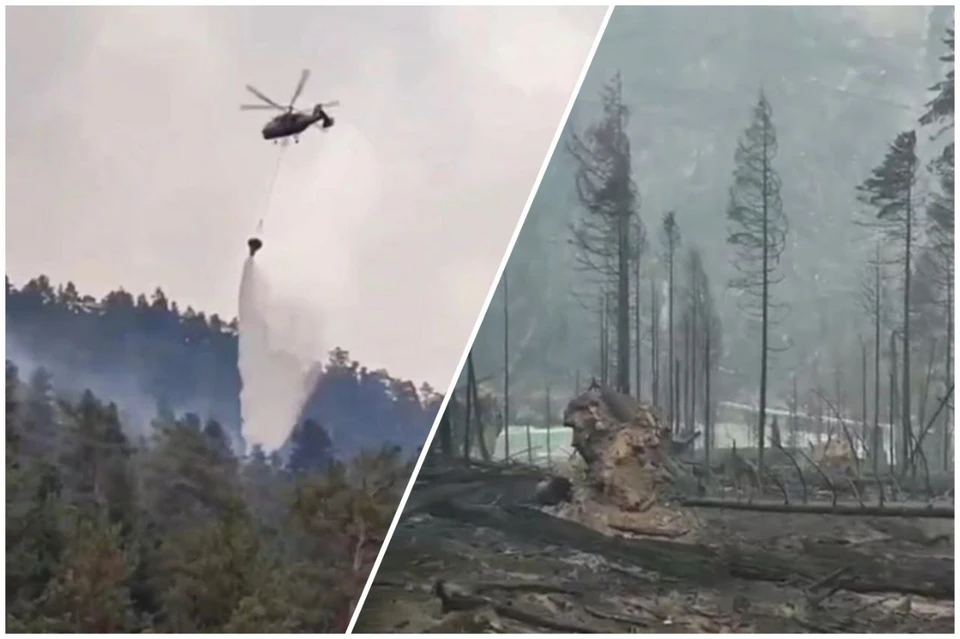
point(146, 354)
point(130, 507)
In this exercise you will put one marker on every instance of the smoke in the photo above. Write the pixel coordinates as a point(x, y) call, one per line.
point(277, 343)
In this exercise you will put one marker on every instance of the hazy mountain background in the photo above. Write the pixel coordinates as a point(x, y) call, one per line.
point(842, 83)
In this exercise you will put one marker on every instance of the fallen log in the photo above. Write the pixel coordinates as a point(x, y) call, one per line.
point(699, 563)
point(454, 597)
point(929, 511)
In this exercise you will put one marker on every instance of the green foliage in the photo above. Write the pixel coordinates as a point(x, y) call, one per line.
point(177, 534)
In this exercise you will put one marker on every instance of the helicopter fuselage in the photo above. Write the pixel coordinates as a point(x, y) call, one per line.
point(295, 123)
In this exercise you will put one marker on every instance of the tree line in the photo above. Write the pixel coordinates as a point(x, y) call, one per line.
point(145, 353)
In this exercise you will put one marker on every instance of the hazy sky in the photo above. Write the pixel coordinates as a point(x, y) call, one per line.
point(129, 163)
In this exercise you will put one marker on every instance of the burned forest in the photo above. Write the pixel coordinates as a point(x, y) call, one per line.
point(714, 390)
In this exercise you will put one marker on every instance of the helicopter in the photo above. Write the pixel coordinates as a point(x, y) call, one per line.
point(291, 123)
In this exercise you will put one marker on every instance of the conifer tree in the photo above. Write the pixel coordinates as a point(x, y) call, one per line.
point(890, 191)
point(757, 231)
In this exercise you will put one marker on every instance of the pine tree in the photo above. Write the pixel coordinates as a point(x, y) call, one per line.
point(311, 448)
point(940, 113)
point(889, 190)
point(88, 593)
point(757, 232)
point(606, 190)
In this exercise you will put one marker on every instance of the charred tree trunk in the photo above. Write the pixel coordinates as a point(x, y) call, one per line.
point(467, 416)
point(905, 427)
point(863, 395)
point(623, 302)
point(506, 366)
point(693, 366)
point(638, 332)
point(655, 344)
point(478, 428)
point(676, 406)
point(707, 422)
point(603, 339)
point(672, 379)
point(685, 394)
point(793, 412)
point(948, 371)
point(894, 461)
point(548, 412)
point(877, 435)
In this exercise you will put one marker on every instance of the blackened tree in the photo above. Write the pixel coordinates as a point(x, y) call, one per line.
point(670, 238)
point(606, 191)
point(890, 191)
point(757, 232)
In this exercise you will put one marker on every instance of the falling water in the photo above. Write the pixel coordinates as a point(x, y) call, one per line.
point(276, 361)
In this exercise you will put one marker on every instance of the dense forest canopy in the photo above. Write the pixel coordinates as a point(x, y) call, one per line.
point(146, 354)
point(131, 504)
point(171, 532)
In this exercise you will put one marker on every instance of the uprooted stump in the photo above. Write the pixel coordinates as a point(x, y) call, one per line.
point(629, 468)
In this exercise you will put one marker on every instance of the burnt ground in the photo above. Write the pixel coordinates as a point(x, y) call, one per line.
point(473, 554)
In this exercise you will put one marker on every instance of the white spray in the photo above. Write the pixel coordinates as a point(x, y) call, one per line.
point(288, 301)
point(276, 373)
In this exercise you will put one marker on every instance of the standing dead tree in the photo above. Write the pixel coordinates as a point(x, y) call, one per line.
point(940, 113)
point(601, 237)
point(639, 242)
point(873, 297)
point(506, 366)
point(670, 239)
point(705, 344)
point(890, 191)
point(758, 233)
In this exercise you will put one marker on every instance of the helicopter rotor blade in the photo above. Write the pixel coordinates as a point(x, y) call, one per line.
point(258, 107)
point(303, 80)
point(254, 91)
point(333, 103)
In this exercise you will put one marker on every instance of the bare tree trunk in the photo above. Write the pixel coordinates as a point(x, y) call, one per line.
point(693, 364)
point(549, 419)
point(685, 322)
point(863, 395)
point(905, 393)
point(655, 343)
point(676, 385)
point(506, 366)
point(672, 379)
point(603, 339)
point(877, 435)
point(948, 370)
point(707, 425)
point(474, 393)
point(793, 412)
point(623, 303)
point(896, 460)
point(638, 347)
point(764, 312)
point(468, 415)
point(922, 408)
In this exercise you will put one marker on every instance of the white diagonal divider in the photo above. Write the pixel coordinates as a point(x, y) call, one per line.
point(477, 324)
